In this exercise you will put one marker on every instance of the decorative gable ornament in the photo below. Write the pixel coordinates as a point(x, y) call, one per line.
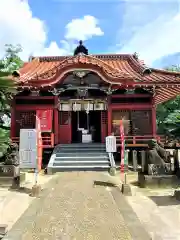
point(80, 73)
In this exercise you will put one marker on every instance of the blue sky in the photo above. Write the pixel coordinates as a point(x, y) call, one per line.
point(52, 27)
point(64, 11)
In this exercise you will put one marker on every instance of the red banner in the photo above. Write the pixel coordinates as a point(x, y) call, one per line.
point(45, 117)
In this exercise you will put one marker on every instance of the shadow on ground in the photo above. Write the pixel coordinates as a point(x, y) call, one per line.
point(164, 200)
point(104, 184)
point(135, 183)
point(21, 190)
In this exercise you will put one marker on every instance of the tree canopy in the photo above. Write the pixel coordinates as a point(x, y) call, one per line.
point(11, 60)
point(168, 114)
point(8, 64)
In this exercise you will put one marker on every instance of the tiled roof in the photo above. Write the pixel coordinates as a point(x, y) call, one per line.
point(42, 70)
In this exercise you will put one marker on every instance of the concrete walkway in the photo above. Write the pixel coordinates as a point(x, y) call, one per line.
point(72, 207)
point(157, 210)
point(13, 203)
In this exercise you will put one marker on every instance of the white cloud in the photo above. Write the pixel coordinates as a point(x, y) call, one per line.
point(83, 28)
point(19, 26)
point(154, 32)
point(54, 50)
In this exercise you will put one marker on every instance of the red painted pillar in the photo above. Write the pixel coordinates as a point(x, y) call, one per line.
point(56, 120)
point(153, 119)
point(13, 120)
point(109, 117)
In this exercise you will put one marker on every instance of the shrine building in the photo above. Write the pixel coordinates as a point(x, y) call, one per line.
point(81, 98)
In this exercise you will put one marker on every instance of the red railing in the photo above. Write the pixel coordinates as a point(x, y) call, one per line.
point(139, 140)
point(131, 141)
point(47, 141)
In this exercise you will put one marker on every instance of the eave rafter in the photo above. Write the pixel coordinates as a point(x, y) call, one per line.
point(165, 93)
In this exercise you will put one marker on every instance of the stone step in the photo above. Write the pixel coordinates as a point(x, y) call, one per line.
point(90, 158)
point(79, 154)
point(77, 168)
point(80, 160)
point(79, 157)
point(78, 147)
point(72, 150)
point(78, 163)
point(81, 145)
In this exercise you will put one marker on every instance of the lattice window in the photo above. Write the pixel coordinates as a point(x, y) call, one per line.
point(141, 122)
point(25, 119)
point(64, 118)
point(121, 115)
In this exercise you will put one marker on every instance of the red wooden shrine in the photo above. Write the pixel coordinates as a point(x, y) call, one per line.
point(116, 86)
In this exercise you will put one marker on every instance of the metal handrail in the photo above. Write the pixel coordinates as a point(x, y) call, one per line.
point(111, 158)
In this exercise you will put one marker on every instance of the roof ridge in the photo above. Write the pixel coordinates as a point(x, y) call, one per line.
point(104, 62)
point(135, 63)
point(88, 56)
point(99, 56)
point(165, 71)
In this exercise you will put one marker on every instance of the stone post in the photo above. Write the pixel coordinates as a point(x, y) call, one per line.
point(143, 159)
point(172, 160)
point(134, 159)
point(126, 156)
point(178, 157)
point(177, 162)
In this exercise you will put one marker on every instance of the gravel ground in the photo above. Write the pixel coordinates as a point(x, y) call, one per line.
point(72, 208)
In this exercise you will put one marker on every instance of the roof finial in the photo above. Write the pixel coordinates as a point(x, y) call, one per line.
point(30, 58)
point(136, 55)
point(80, 49)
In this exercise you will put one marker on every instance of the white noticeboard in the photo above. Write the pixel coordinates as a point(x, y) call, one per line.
point(111, 144)
point(28, 148)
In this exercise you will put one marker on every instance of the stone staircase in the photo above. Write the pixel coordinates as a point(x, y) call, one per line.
point(76, 157)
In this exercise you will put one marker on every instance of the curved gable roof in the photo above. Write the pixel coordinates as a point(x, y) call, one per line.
point(126, 63)
point(114, 67)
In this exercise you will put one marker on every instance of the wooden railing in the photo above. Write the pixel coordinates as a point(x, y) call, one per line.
point(131, 141)
point(47, 141)
point(139, 141)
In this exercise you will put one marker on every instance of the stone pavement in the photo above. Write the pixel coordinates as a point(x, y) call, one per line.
point(157, 210)
point(14, 203)
point(72, 207)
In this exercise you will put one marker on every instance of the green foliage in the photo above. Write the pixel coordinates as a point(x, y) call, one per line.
point(8, 64)
point(168, 114)
point(11, 61)
point(7, 87)
point(4, 141)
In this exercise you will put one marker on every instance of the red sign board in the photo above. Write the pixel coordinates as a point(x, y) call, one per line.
point(45, 118)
